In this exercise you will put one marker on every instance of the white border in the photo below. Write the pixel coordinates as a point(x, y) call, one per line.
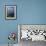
point(18, 33)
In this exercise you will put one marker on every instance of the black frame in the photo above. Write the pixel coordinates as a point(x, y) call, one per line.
point(15, 12)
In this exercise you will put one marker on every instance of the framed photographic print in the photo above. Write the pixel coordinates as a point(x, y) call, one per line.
point(10, 12)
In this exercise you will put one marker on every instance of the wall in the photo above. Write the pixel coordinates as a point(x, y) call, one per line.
point(28, 12)
point(32, 11)
point(6, 26)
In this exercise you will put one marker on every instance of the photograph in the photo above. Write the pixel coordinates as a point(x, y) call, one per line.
point(10, 12)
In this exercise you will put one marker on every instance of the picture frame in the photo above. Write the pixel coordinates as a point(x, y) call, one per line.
point(41, 28)
point(10, 12)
